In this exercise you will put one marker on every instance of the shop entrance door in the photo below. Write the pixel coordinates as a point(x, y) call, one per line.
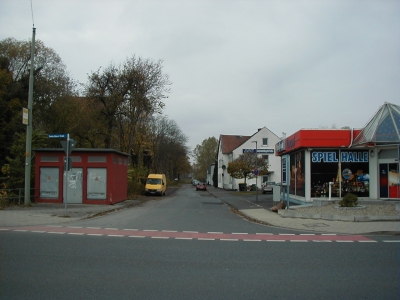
point(389, 180)
point(74, 186)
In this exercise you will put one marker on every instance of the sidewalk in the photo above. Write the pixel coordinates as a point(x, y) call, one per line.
point(52, 214)
point(259, 211)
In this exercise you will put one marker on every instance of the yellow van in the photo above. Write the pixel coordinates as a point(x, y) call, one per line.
point(156, 184)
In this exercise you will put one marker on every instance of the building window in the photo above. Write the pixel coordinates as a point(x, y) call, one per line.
point(97, 159)
point(76, 158)
point(265, 141)
point(264, 178)
point(266, 158)
point(49, 158)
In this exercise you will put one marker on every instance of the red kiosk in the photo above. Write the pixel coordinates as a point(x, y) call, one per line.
point(98, 176)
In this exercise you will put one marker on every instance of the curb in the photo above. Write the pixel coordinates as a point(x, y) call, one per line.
point(351, 218)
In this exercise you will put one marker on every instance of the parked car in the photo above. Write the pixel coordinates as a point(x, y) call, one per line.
point(268, 187)
point(201, 187)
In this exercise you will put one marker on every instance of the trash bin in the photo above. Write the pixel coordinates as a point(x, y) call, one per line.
point(242, 187)
point(253, 187)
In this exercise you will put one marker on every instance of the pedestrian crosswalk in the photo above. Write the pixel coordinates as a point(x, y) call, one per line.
point(195, 235)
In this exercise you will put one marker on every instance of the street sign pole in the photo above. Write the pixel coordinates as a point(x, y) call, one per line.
point(68, 146)
point(66, 177)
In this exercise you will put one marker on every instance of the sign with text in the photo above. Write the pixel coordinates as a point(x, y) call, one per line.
point(25, 116)
point(57, 135)
point(262, 151)
point(285, 170)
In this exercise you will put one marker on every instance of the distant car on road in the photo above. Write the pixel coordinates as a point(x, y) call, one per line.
point(201, 186)
point(268, 187)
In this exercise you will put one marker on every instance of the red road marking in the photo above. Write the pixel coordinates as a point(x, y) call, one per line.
point(190, 235)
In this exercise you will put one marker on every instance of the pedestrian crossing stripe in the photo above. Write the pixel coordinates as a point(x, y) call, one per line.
point(195, 235)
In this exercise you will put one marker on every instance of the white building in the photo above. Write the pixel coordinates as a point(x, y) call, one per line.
point(231, 146)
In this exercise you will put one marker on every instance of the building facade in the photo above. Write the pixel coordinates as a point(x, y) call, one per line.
point(230, 147)
point(98, 176)
point(329, 163)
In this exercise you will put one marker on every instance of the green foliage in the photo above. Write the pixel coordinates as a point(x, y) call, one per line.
point(14, 169)
point(136, 181)
point(349, 200)
point(240, 169)
point(244, 166)
point(204, 156)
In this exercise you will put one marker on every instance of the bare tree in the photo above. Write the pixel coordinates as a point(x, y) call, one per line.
point(128, 94)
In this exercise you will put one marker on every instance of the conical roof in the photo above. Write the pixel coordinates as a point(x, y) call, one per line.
point(383, 128)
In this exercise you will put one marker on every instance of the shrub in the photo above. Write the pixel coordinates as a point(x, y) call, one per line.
point(349, 200)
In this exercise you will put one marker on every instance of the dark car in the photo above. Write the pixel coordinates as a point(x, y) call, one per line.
point(201, 186)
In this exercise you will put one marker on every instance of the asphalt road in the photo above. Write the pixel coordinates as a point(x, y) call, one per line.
point(65, 264)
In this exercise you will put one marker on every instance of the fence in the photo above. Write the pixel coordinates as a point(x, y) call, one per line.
point(15, 196)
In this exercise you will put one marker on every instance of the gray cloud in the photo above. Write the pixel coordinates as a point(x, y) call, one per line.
point(235, 65)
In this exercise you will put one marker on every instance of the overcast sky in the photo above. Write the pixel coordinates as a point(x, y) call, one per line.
point(235, 66)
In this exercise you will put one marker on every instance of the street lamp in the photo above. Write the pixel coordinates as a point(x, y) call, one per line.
point(256, 170)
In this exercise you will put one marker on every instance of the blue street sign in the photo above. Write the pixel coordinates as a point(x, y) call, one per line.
point(256, 172)
point(58, 136)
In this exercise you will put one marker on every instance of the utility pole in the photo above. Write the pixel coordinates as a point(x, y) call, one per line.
point(28, 154)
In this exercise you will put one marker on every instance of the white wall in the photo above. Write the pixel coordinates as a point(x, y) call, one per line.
point(274, 169)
